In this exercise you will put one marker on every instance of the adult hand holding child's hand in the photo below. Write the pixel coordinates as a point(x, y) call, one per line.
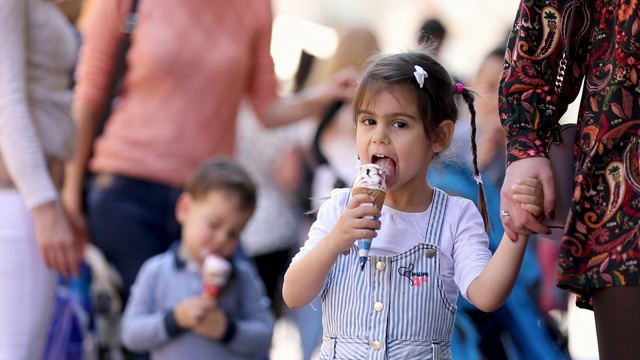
point(515, 219)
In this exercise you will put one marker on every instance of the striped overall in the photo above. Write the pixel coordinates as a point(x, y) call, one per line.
point(396, 308)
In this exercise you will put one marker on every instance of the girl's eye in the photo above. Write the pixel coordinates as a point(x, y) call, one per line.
point(368, 121)
point(400, 124)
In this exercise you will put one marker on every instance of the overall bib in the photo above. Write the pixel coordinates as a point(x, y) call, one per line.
point(396, 308)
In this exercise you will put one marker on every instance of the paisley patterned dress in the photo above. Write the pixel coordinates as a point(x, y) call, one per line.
point(600, 39)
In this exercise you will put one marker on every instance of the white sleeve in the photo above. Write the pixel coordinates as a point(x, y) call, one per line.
point(20, 145)
point(327, 216)
point(471, 252)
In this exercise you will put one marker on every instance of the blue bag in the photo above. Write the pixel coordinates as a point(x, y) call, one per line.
point(71, 333)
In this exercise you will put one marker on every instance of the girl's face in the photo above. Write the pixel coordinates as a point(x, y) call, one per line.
point(211, 224)
point(389, 132)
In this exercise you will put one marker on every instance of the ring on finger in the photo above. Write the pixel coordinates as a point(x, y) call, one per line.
point(504, 213)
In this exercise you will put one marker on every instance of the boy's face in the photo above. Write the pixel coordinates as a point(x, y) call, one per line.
point(211, 224)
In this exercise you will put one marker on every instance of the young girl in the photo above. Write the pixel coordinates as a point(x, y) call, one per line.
point(427, 245)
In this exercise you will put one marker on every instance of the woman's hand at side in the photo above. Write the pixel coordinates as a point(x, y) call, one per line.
point(61, 246)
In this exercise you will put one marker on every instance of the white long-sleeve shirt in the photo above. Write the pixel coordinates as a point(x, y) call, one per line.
point(464, 242)
point(37, 52)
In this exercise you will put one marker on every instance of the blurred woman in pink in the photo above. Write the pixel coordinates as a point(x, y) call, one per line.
point(189, 66)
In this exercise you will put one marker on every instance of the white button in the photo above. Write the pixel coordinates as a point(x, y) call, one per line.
point(378, 306)
point(376, 345)
point(380, 265)
point(430, 253)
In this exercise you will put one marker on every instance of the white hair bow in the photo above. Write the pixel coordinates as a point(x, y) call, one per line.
point(420, 74)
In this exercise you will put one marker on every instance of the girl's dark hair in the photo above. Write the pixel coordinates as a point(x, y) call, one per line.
point(436, 100)
point(226, 175)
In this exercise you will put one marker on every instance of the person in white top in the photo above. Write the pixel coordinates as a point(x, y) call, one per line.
point(38, 50)
point(426, 246)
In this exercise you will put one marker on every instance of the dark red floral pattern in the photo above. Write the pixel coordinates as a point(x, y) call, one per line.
point(600, 247)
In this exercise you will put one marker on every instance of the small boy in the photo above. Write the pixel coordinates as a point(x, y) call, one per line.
point(167, 314)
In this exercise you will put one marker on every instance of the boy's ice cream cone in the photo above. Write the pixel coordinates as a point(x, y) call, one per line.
point(371, 181)
point(215, 272)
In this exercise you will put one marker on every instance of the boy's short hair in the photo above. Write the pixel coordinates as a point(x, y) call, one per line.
point(226, 175)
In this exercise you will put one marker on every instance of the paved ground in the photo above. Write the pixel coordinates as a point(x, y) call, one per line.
point(286, 341)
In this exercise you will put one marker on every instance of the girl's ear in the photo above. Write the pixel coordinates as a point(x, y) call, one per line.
point(443, 136)
point(182, 207)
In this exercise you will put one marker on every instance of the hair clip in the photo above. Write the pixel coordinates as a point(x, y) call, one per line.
point(459, 88)
point(420, 75)
point(477, 178)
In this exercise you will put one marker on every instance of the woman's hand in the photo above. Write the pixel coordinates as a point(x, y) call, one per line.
point(61, 248)
point(288, 168)
point(519, 220)
point(342, 85)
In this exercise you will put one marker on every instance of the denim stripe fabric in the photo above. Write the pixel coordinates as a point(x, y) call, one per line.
point(396, 308)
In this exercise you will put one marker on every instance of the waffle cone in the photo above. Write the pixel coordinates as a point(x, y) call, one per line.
point(378, 195)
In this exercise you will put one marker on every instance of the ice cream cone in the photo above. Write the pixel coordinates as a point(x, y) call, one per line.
point(378, 195)
point(370, 181)
point(215, 272)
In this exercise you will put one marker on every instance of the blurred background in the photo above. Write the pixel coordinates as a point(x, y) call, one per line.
point(473, 27)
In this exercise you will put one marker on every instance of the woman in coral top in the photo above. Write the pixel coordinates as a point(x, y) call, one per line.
point(189, 66)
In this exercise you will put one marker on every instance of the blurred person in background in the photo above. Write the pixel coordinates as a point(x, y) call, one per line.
point(186, 304)
point(491, 153)
point(332, 158)
point(519, 329)
point(271, 158)
point(187, 70)
point(37, 238)
point(432, 31)
point(597, 42)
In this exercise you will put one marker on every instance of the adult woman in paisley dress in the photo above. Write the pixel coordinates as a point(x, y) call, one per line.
point(599, 41)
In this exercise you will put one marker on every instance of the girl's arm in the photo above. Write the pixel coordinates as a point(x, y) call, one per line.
point(305, 278)
point(492, 288)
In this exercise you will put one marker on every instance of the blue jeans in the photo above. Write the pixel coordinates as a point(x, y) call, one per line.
point(131, 220)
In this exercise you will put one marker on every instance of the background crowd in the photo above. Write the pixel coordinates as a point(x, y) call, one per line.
point(266, 83)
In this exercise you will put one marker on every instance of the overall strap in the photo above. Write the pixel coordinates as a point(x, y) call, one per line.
point(436, 217)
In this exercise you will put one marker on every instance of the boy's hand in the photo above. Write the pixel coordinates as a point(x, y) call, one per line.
point(213, 325)
point(528, 192)
point(191, 312)
point(355, 222)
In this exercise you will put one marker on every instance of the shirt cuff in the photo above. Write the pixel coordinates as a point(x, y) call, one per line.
point(526, 143)
point(171, 325)
point(230, 333)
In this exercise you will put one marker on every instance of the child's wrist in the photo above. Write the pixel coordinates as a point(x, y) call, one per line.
point(171, 324)
point(229, 332)
point(334, 245)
